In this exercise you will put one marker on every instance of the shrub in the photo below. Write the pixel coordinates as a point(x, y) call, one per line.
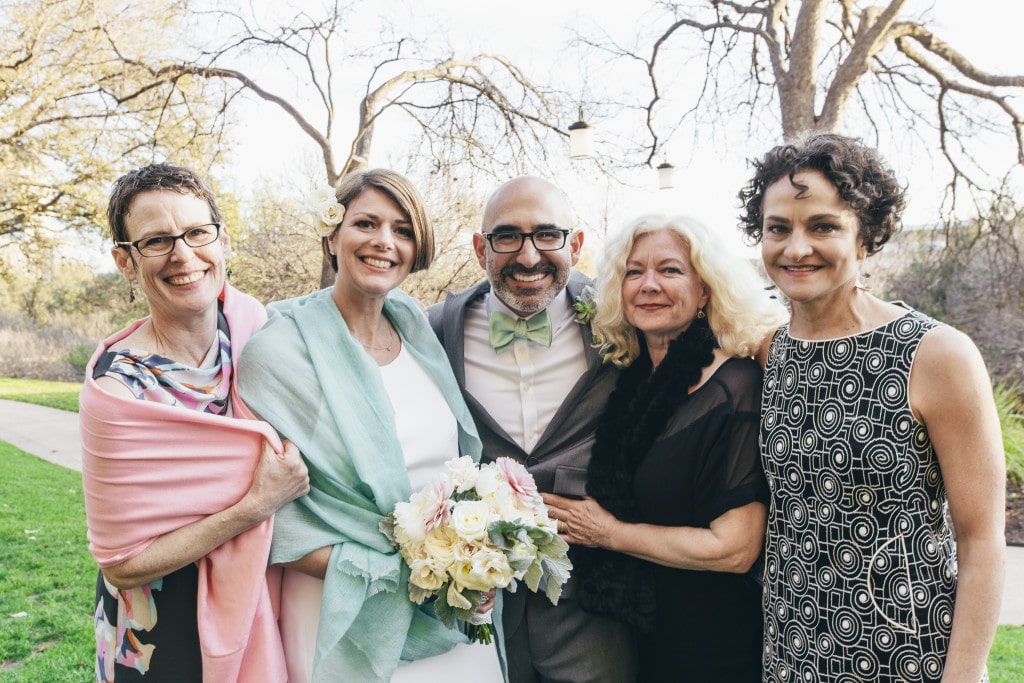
point(1010, 406)
point(79, 355)
point(57, 350)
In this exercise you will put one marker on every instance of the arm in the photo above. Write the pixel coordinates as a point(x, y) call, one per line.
point(731, 544)
point(278, 479)
point(314, 564)
point(951, 394)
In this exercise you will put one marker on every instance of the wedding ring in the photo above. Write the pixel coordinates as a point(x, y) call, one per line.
point(561, 527)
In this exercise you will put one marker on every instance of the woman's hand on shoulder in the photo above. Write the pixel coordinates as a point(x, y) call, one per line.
point(279, 478)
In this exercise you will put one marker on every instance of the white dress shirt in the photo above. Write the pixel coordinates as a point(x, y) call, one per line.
point(523, 386)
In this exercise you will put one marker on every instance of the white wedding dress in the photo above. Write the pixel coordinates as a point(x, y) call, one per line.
point(428, 433)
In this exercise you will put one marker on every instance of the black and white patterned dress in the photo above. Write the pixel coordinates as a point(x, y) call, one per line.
point(861, 566)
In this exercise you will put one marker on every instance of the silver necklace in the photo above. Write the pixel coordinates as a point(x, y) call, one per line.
point(388, 347)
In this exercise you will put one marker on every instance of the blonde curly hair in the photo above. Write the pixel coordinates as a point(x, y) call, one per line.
point(740, 310)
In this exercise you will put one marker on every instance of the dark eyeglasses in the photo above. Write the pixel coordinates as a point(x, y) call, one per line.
point(161, 245)
point(511, 241)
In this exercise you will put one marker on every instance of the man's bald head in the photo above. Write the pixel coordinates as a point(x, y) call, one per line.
point(529, 279)
point(533, 190)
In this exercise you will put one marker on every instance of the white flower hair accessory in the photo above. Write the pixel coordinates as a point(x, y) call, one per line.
point(328, 210)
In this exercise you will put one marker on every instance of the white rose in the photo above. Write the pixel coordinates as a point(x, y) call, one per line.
point(482, 570)
point(424, 574)
point(470, 519)
point(439, 546)
point(507, 506)
point(331, 213)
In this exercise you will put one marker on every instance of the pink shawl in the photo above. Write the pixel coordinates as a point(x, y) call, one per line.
point(149, 468)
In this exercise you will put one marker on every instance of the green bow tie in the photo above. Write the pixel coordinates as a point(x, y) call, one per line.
point(505, 329)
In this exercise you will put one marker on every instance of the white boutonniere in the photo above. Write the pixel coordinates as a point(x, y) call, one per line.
point(585, 306)
point(328, 210)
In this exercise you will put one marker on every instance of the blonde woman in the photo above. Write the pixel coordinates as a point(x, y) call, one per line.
point(677, 499)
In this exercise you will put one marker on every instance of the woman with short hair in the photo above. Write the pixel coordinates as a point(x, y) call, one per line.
point(876, 420)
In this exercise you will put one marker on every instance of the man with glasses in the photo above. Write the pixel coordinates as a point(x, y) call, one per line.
point(536, 387)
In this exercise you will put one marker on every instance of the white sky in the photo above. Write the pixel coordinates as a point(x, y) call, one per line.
point(533, 34)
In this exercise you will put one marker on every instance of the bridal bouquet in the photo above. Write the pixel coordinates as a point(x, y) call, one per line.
point(473, 529)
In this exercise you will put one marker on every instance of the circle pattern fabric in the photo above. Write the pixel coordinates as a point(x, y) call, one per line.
point(860, 568)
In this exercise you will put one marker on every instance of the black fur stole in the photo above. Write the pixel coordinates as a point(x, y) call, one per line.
point(637, 413)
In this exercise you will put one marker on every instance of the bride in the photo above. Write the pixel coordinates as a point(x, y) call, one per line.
point(355, 377)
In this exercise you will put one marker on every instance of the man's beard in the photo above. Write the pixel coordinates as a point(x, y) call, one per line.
point(530, 304)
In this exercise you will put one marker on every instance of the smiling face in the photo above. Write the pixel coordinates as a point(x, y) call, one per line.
point(528, 280)
point(811, 246)
point(375, 247)
point(185, 282)
point(661, 291)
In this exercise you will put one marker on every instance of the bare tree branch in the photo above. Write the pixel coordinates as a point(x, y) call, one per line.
point(811, 60)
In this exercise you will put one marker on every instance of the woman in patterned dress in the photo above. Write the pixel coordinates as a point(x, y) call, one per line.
point(147, 459)
point(875, 420)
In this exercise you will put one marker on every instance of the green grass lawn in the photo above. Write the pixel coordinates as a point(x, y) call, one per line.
point(1006, 658)
point(62, 395)
point(47, 576)
point(46, 571)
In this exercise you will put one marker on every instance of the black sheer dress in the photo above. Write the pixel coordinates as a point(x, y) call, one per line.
point(707, 624)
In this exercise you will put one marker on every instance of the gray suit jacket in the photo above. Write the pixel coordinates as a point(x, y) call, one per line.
point(572, 644)
point(559, 461)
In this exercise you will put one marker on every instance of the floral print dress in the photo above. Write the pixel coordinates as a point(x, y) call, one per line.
point(150, 633)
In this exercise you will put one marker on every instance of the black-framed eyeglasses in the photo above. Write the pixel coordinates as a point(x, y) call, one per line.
point(511, 241)
point(161, 245)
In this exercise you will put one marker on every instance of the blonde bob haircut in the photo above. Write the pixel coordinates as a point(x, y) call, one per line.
point(740, 310)
point(404, 194)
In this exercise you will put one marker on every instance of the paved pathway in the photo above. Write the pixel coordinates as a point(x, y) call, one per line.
point(53, 435)
point(48, 433)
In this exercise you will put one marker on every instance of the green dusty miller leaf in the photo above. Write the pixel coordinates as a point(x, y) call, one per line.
point(445, 612)
point(557, 570)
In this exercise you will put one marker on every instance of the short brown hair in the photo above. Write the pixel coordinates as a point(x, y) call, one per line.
point(164, 177)
point(403, 193)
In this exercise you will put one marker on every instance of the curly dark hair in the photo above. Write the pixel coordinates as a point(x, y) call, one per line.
point(857, 171)
point(155, 177)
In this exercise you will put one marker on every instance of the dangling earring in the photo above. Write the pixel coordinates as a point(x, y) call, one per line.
point(131, 291)
point(700, 314)
point(228, 274)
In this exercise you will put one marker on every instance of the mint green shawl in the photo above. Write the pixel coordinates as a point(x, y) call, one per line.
point(305, 374)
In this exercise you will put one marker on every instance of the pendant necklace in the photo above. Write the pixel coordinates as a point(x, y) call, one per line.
point(387, 347)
